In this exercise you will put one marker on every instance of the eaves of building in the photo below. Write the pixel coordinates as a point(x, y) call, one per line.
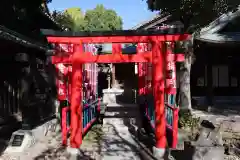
point(214, 32)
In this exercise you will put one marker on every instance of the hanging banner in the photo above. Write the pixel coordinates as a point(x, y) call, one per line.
point(69, 84)
point(62, 70)
point(61, 81)
point(143, 71)
point(143, 47)
point(68, 48)
point(171, 87)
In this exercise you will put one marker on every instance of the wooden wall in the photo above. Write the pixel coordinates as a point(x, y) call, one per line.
point(223, 63)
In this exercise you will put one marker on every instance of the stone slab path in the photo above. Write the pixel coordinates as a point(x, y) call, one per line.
point(230, 120)
point(109, 141)
point(113, 140)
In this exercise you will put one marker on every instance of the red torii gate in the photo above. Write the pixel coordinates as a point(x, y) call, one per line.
point(156, 56)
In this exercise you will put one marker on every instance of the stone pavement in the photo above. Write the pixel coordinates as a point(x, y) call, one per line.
point(46, 147)
point(113, 140)
point(230, 120)
point(110, 141)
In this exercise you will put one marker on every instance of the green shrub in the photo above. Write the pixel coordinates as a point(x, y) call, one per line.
point(186, 120)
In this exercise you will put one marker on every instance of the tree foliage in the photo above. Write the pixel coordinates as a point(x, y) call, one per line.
point(63, 19)
point(195, 13)
point(77, 18)
point(20, 16)
point(101, 18)
point(98, 18)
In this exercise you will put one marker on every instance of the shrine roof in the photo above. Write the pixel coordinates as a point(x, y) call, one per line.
point(220, 38)
point(13, 36)
point(225, 29)
point(53, 33)
point(153, 21)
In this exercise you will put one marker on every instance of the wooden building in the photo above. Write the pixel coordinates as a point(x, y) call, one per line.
point(27, 88)
point(215, 79)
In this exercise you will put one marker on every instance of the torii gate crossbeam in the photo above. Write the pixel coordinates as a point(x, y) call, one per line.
point(156, 56)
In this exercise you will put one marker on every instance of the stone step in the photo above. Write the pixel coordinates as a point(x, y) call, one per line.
point(113, 121)
point(122, 121)
point(119, 115)
point(122, 112)
point(111, 128)
point(121, 105)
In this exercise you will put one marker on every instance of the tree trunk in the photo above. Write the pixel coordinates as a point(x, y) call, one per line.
point(184, 85)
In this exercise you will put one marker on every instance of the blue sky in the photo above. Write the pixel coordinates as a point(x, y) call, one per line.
point(131, 11)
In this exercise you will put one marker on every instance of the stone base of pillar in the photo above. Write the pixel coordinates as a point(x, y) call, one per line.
point(74, 153)
point(159, 153)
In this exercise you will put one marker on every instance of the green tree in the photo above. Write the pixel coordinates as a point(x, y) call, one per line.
point(101, 18)
point(96, 19)
point(193, 14)
point(77, 17)
point(21, 16)
point(71, 18)
point(63, 19)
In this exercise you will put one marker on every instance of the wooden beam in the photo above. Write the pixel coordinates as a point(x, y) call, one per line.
point(118, 39)
point(108, 58)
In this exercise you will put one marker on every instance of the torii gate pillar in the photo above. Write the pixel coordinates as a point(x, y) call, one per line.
point(156, 56)
point(76, 99)
point(158, 93)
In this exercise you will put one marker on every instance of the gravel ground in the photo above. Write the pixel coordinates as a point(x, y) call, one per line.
point(231, 157)
point(50, 148)
point(97, 145)
point(46, 148)
point(109, 141)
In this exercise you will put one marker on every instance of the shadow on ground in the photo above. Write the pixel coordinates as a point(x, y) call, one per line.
point(60, 153)
point(144, 142)
point(96, 143)
point(131, 118)
point(107, 140)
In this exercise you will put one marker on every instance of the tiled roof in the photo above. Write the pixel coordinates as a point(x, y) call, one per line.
point(150, 21)
point(211, 33)
point(8, 34)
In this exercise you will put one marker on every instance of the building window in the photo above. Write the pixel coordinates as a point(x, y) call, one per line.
point(220, 76)
point(215, 76)
point(234, 82)
point(223, 76)
point(200, 82)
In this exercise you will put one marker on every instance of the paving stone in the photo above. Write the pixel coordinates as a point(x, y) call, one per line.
point(110, 141)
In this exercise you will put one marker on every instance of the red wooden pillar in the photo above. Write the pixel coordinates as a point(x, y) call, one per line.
point(145, 71)
point(76, 100)
point(140, 72)
point(116, 50)
point(171, 90)
point(140, 78)
point(69, 82)
point(158, 93)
